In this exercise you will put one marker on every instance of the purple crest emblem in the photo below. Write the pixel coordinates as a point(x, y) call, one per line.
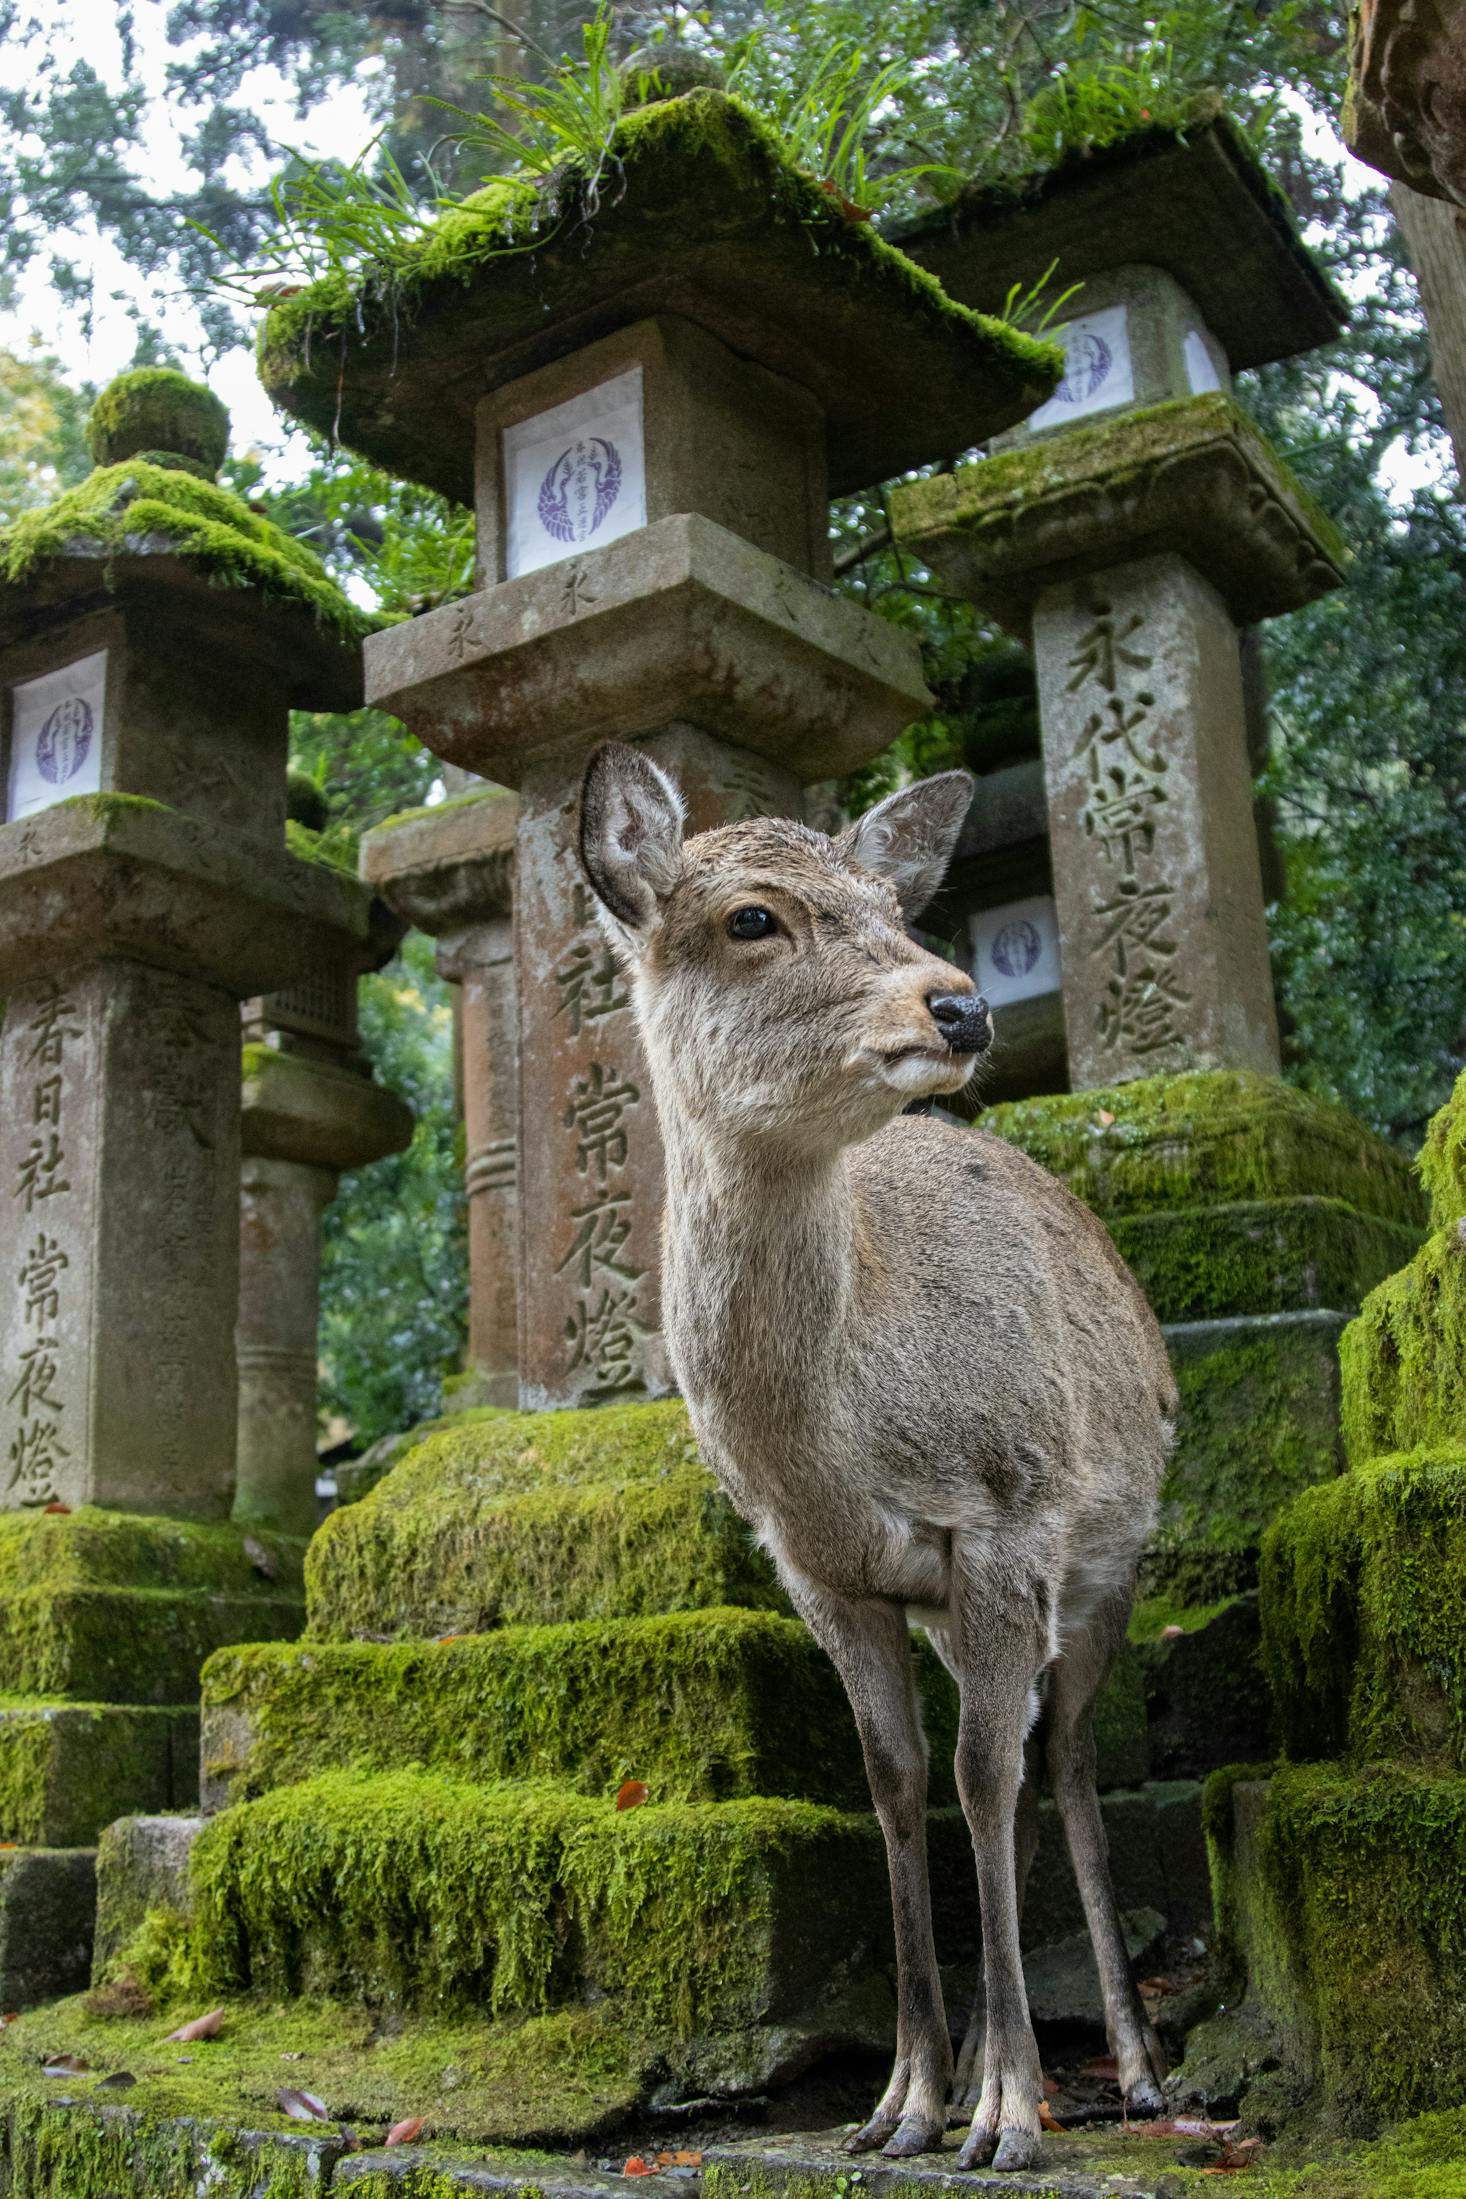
point(580, 488)
point(1016, 948)
point(64, 740)
point(1086, 368)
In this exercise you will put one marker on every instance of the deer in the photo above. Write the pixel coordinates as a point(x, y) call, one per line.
point(913, 1359)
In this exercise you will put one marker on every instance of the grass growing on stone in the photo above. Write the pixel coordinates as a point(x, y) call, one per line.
point(524, 1517)
point(136, 508)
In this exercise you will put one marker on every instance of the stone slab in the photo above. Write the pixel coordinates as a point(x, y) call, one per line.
point(92, 1548)
point(1195, 202)
point(112, 874)
point(680, 621)
point(448, 864)
point(294, 1108)
point(142, 1866)
point(1206, 1697)
point(1192, 478)
point(128, 1645)
point(68, 1769)
point(1209, 1138)
point(47, 1906)
point(1259, 1256)
point(757, 255)
point(1078, 2165)
point(74, 2147)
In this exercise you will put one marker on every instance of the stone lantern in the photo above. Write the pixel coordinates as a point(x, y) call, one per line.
point(310, 1110)
point(154, 635)
point(449, 871)
point(649, 429)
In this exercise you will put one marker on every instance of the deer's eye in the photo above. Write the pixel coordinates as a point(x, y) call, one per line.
point(752, 924)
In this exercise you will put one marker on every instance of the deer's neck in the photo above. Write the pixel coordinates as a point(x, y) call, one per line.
point(762, 1263)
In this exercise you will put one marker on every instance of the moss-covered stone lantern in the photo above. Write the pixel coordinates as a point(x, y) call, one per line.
point(649, 395)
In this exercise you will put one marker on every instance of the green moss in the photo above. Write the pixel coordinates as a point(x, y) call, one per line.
point(128, 1645)
point(416, 1891)
point(1212, 1137)
point(136, 509)
point(1258, 1423)
point(1260, 1256)
point(157, 409)
point(67, 1769)
point(701, 1705)
point(1364, 1585)
point(506, 1518)
point(1442, 1161)
point(317, 847)
point(469, 800)
point(1404, 1359)
point(1121, 450)
point(92, 1548)
point(1217, 1828)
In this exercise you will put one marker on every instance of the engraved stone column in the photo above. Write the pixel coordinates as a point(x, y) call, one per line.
point(449, 870)
point(1130, 553)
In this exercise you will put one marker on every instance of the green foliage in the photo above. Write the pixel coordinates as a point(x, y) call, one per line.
point(394, 1281)
point(826, 121)
point(42, 437)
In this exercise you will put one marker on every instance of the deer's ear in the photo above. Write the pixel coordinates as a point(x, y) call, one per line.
point(908, 838)
point(630, 834)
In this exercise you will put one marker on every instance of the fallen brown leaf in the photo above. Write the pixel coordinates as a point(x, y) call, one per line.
point(1159, 1986)
point(636, 2166)
point(8, 1844)
point(202, 2027)
point(441, 1638)
point(1186, 2126)
point(303, 2107)
point(403, 2133)
point(64, 2065)
point(1103, 1117)
point(1102, 2065)
point(679, 2160)
point(633, 1793)
point(55, 1507)
point(119, 2081)
point(1047, 2120)
point(1051, 2086)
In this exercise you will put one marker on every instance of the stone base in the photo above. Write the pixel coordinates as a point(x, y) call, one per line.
point(142, 1872)
point(1205, 1697)
point(1362, 1584)
point(67, 1769)
point(1344, 1895)
point(48, 1900)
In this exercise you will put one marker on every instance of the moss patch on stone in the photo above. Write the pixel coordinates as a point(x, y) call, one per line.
point(92, 1548)
point(530, 1517)
point(1210, 1137)
point(469, 800)
point(67, 1769)
point(1258, 1423)
point(1364, 1586)
point(158, 409)
point(137, 509)
point(410, 1890)
point(128, 1645)
point(1442, 1162)
point(1404, 1359)
point(1260, 1256)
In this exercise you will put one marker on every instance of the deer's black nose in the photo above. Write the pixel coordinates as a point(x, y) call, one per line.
point(963, 1020)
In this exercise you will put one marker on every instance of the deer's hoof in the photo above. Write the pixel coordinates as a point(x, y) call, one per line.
point(870, 2135)
point(1017, 2149)
point(1145, 2100)
point(914, 2134)
point(978, 2150)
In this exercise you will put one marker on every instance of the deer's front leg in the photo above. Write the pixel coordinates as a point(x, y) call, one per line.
point(1002, 1644)
point(869, 1646)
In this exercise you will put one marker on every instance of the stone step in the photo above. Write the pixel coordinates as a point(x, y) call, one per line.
point(142, 1874)
point(1362, 1610)
point(1260, 1256)
point(1206, 1700)
point(1344, 1891)
point(67, 1769)
point(1404, 1359)
point(90, 1548)
point(703, 1706)
point(534, 1518)
point(48, 1899)
point(128, 1645)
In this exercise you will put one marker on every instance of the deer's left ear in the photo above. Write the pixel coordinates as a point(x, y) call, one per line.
point(631, 817)
point(908, 838)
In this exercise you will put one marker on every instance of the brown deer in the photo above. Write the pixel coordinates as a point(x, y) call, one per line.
point(914, 1360)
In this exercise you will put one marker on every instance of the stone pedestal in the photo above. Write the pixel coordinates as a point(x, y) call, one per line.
point(449, 871)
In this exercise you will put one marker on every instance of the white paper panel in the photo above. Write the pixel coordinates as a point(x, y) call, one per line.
point(1015, 950)
point(575, 476)
point(1201, 371)
point(56, 736)
point(1098, 373)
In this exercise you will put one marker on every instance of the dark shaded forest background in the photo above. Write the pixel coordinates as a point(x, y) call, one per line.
point(1368, 688)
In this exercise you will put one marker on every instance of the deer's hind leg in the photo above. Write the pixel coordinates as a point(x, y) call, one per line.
point(1073, 1685)
point(869, 1645)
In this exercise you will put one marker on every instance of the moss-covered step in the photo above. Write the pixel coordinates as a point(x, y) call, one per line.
point(411, 1890)
point(1442, 1162)
point(1364, 1613)
point(1260, 1256)
point(110, 1607)
point(1211, 1138)
point(1404, 1359)
point(509, 1518)
point(48, 1899)
point(143, 1897)
point(1259, 1422)
point(1205, 1699)
point(67, 1769)
point(1344, 1891)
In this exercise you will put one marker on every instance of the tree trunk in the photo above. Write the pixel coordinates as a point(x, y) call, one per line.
point(1435, 237)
